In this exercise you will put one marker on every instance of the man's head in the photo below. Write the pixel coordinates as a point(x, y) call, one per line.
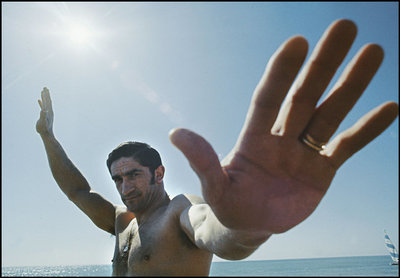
point(138, 174)
point(141, 152)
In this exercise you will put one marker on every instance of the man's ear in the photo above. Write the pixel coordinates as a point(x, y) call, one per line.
point(159, 174)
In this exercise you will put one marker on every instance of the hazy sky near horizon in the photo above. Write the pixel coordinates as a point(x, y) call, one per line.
point(139, 69)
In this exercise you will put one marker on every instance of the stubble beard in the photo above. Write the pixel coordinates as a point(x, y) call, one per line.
point(141, 203)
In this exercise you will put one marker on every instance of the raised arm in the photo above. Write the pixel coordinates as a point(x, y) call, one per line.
point(67, 176)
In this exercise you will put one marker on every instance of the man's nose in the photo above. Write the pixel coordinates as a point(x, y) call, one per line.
point(127, 187)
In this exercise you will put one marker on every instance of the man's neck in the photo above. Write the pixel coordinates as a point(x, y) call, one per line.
point(143, 217)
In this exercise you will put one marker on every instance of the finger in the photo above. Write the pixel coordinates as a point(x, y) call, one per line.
point(345, 93)
point(364, 131)
point(40, 104)
point(279, 74)
point(203, 160)
point(300, 103)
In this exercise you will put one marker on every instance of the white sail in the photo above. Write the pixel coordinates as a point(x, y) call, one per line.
point(392, 249)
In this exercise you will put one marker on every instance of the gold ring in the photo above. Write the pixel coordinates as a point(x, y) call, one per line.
point(312, 143)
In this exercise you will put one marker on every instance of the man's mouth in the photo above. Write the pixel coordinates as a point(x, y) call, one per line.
point(131, 197)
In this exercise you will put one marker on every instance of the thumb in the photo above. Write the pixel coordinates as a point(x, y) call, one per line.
point(203, 160)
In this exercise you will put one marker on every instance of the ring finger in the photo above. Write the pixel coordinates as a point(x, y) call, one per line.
point(345, 93)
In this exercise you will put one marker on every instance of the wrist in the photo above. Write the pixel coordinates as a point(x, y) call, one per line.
point(250, 238)
point(48, 135)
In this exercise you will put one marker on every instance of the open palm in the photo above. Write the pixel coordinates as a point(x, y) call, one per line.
point(271, 180)
point(45, 123)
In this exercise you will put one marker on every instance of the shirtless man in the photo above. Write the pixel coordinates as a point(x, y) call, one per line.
point(273, 178)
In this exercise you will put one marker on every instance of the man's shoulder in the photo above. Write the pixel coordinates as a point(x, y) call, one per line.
point(188, 198)
point(182, 201)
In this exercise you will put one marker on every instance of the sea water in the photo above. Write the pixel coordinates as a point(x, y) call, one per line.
point(345, 266)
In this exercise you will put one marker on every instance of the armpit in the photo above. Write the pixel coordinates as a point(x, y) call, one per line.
point(122, 217)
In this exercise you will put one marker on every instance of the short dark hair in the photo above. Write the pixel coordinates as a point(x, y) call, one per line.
point(141, 152)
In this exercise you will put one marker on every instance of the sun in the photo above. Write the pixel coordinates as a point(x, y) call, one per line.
point(80, 34)
point(76, 31)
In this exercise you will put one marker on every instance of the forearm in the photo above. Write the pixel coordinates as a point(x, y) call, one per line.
point(208, 233)
point(67, 176)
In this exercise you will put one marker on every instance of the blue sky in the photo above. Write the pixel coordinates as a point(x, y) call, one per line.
point(145, 68)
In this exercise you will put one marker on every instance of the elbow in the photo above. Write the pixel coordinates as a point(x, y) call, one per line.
point(72, 196)
point(76, 196)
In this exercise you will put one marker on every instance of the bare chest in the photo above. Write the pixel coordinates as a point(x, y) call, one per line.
point(144, 244)
point(147, 248)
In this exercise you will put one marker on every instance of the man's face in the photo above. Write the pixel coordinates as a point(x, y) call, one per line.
point(133, 182)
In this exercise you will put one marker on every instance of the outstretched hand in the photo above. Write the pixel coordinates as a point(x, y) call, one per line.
point(272, 179)
point(44, 125)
